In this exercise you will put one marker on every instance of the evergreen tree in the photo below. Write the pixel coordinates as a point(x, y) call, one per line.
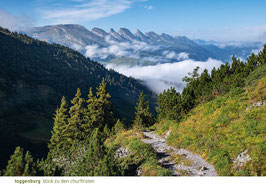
point(20, 165)
point(77, 117)
point(96, 160)
point(143, 117)
point(99, 113)
point(119, 126)
point(61, 136)
point(105, 107)
point(192, 76)
point(170, 105)
point(48, 167)
point(91, 117)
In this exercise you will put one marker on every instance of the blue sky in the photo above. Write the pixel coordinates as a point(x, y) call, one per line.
point(205, 19)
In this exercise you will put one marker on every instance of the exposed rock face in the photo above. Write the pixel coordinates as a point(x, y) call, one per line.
point(140, 36)
point(167, 134)
point(122, 152)
point(125, 33)
point(256, 104)
point(139, 171)
point(116, 36)
point(99, 32)
point(241, 159)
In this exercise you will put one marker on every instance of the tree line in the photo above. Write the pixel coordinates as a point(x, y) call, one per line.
point(76, 147)
point(206, 86)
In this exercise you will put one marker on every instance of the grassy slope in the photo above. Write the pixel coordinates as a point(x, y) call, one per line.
point(221, 129)
point(141, 155)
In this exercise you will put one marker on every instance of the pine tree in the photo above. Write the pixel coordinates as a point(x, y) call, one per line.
point(97, 160)
point(105, 107)
point(48, 167)
point(20, 165)
point(93, 113)
point(77, 117)
point(143, 117)
point(119, 126)
point(61, 136)
point(170, 105)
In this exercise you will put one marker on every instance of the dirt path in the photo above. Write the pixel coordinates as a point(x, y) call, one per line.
point(188, 163)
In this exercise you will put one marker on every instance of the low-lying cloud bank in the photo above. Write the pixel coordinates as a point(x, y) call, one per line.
point(132, 49)
point(163, 76)
point(120, 49)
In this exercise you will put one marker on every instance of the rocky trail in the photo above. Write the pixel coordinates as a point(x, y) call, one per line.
point(180, 161)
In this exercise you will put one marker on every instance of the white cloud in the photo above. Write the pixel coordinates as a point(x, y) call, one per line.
point(120, 49)
point(13, 22)
point(173, 55)
point(84, 10)
point(163, 76)
point(182, 56)
point(76, 46)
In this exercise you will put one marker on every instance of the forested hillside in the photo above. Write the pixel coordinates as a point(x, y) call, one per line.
point(221, 116)
point(34, 75)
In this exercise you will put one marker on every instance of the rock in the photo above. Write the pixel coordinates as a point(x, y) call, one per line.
point(139, 171)
point(162, 149)
point(241, 159)
point(204, 168)
point(256, 104)
point(167, 134)
point(122, 152)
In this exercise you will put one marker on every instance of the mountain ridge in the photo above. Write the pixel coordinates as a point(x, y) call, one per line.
point(78, 37)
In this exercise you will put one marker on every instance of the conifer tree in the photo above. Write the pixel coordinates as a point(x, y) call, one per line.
point(77, 117)
point(143, 117)
point(119, 126)
point(92, 113)
point(97, 160)
point(105, 107)
point(61, 136)
point(20, 165)
point(48, 167)
point(170, 105)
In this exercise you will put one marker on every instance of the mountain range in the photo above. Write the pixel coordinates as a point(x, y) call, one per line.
point(124, 47)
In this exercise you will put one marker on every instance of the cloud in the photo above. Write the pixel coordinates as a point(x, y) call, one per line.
point(13, 22)
point(163, 76)
point(132, 49)
point(84, 10)
point(120, 49)
point(173, 55)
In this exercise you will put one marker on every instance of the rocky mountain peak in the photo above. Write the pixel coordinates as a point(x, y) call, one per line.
point(140, 36)
point(152, 35)
point(125, 33)
point(116, 36)
point(99, 32)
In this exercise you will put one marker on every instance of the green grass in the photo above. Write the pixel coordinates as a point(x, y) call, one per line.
point(221, 129)
point(142, 155)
